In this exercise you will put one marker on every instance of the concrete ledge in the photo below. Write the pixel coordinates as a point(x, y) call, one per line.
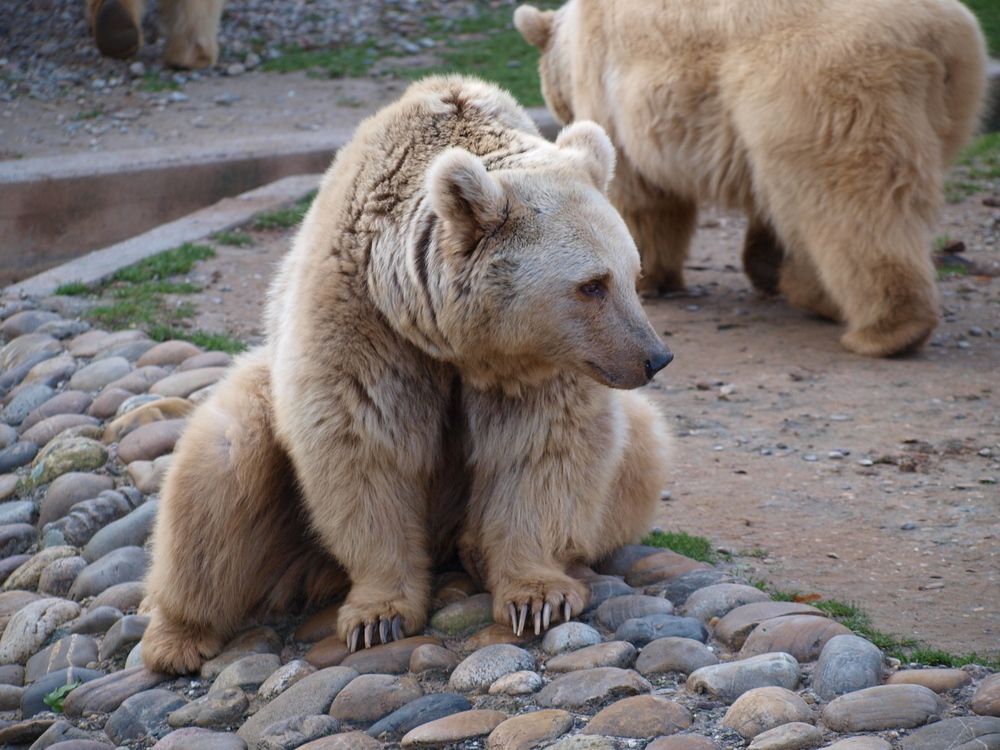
point(57, 208)
point(226, 214)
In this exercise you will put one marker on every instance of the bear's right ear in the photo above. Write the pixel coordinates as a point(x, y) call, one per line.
point(535, 25)
point(467, 199)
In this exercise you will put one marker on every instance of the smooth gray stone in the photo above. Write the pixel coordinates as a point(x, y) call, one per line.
point(26, 321)
point(846, 664)
point(9, 564)
point(12, 674)
point(16, 538)
point(119, 566)
point(97, 621)
point(8, 435)
point(68, 490)
point(67, 402)
point(665, 655)
point(61, 731)
point(192, 738)
point(64, 329)
point(17, 455)
point(297, 731)
point(882, 708)
point(419, 711)
point(143, 715)
point(17, 511)
point(310, 695)
point(32, 699)
point(729, 680)
point(615, 611)
point(131, 530)
point(127, 350)
point(58, 577)
point(679, 588)
point(482, 668)
point(642, 630)
point(601, 589)
point(248, 673)
point(719, 599)
point(570, 636)
point(25, 402)
point(12, 378)
point(124, 633)
point(963, 733)
point(219, 709)
point(619, 562)
point(88, 517)
point(71, 651)
point(10, 697)
point(99, 373)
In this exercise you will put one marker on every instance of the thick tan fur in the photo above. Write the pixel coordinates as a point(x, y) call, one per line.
point(829, 122)
point(446, 344)
point(192, 28)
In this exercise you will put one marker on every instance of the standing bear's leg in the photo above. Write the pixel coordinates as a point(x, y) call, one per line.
point(116, 26)
point(569, 472)
point(229, 539)
point(661, 223)
point(763, 255)
point(363, 425)
point(192, 32)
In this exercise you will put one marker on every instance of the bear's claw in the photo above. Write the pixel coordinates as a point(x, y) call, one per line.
point(542, 617)
point(388, 630)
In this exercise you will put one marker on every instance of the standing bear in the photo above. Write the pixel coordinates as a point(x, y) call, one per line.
point(449, 346)
point(828, 122)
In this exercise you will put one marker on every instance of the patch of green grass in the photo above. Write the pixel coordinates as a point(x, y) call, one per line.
point(233, 239)
point(988, 13)
point(695, 547)
point(344, 62)
point(208, 341)
point(950, 272)
point(168, 263)
point(978, 168)
point(283, 218)
point(72, 289)
point(92, 114)
point(154, 83)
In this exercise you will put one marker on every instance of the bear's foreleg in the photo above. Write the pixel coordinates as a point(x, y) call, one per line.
point(116, 26)
point(567, 474)
point(661, 223)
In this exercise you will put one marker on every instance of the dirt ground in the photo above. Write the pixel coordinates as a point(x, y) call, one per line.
point(871, 481)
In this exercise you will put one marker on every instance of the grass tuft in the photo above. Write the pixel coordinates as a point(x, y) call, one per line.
point(695, 547)
point(283, 218)
point(168, 263)
point(233, 239)
point(73, 289)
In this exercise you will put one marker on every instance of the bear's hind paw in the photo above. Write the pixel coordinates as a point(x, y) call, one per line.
point(388, 630)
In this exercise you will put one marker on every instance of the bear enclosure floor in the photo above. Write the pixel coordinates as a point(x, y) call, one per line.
point(868, 481)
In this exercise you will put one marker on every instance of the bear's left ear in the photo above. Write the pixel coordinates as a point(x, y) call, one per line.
point(594, 146)
point(467, 199)
point(535, 25)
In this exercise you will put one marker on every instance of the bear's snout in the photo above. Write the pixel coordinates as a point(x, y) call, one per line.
point(657, 361)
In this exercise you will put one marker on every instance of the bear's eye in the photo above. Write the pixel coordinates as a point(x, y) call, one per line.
point(592, 288)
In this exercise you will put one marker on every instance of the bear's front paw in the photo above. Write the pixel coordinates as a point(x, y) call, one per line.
point(175, 648)
point(541, 598)
point(380, 622)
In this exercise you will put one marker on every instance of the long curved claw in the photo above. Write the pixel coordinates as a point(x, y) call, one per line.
point(397, 628)
point(383, 629)
point(567, 612)
point(369, 634)
point(512, 611)
point(538, 623)
point(522, 619)
point(546, 615)
point(352, 641)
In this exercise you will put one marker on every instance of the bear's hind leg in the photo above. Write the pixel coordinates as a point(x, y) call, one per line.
point(763, 255)
point(661, 223)
point(228, 530)
point(116, 26)
point(192, 32)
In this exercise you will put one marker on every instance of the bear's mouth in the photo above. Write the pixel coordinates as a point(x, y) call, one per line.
point(603, 376)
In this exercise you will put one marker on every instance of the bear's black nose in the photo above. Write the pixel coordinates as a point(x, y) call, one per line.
point(658, 362)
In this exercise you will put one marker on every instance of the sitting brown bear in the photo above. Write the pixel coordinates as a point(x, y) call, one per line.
point(447, 346)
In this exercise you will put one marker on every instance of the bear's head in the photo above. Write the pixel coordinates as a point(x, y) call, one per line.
point(547, 30)
point(534, 272)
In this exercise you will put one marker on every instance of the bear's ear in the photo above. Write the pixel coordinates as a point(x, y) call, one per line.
point(467, 199)
point(590, 140)
point(535, 25)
